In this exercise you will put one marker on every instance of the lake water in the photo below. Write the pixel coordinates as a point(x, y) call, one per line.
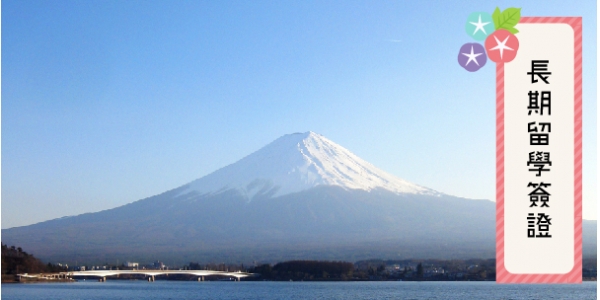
point(121, 289)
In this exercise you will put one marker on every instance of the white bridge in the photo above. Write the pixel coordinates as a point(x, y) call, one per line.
point(150, 274)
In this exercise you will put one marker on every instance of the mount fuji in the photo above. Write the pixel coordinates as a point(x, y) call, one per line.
point(300, 197)
point(298, 162)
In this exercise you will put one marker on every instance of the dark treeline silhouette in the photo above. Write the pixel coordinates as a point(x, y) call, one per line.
point(305, 270)
point(418, 270)
point(313, 267)
point(427, 269)
point(16, 261)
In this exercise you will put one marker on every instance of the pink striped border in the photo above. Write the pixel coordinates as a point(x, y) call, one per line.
point(502, 275)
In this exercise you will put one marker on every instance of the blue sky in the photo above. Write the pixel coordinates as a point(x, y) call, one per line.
point(109, 102)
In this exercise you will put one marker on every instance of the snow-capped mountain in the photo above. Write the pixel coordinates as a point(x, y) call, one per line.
point(300, 197)
point(298, 162)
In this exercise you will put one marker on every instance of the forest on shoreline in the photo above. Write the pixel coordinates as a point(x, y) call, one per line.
point(16, 261)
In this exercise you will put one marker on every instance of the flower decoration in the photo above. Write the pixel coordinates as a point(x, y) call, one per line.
point(498, 33)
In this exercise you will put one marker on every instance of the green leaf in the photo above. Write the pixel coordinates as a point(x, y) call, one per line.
point(496, 17)
point(508, 18)
point(513, 30)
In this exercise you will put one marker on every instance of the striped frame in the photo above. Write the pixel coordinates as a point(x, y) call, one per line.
point(502, 275)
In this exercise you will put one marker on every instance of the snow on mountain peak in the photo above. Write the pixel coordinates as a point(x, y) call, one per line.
point(297, 162)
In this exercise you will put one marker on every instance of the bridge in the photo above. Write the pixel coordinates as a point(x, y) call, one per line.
point(150, 274)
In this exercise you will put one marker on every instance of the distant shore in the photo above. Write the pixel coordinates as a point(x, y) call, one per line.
point(15, 279)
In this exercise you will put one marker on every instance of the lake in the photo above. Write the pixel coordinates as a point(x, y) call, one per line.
point(121, 289)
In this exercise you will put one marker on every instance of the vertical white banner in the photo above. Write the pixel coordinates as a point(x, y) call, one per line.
point(539, 155)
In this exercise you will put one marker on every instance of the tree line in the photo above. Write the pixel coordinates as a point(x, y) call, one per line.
point(16, 261)
point(305, 270)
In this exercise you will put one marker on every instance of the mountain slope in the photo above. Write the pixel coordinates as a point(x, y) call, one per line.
point(300, 197)
point(299, 225)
